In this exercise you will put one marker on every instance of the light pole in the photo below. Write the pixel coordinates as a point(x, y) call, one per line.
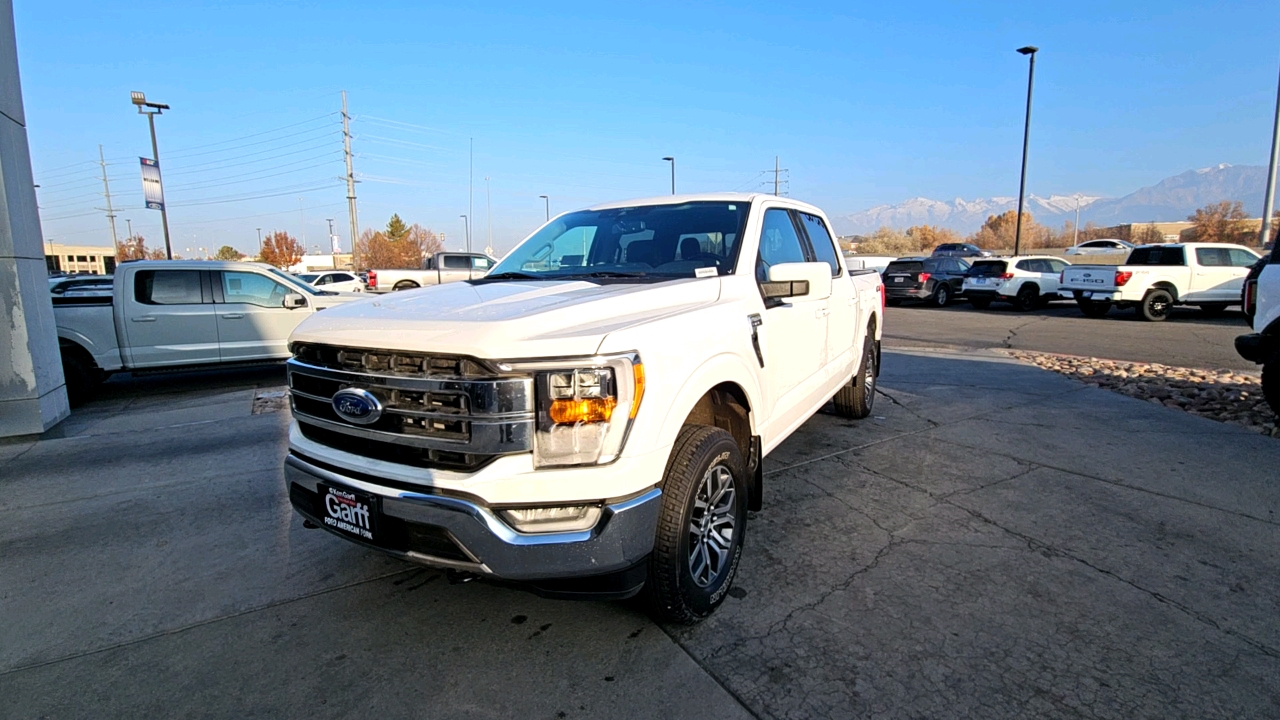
point(548, 201)
point(1268, 203)
point(673, 173)
point(130, 224)
point(1075, 231)
point(140, 99)
point(259, 244)
point(1029, 50)
point(488, 209)
point(466, 226)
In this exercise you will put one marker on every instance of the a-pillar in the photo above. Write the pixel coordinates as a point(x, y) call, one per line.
point(33, 396)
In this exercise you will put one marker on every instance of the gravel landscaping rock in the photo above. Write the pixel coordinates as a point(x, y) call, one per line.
point(1221, 395)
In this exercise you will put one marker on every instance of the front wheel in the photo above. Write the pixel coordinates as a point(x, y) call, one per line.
point(1156, 305)
point(700, 526)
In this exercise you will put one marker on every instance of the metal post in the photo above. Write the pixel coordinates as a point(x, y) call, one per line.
point(111, 216)
point(259, 244)
point(164, 213)
point(130, 223)
point(1026, 136)
point(466, 225)
point(672, 160)
point(1268, 203)
point(471, 177)
point(548, 200)
point(488, 203)
point(1075, 231)
point(351, 186)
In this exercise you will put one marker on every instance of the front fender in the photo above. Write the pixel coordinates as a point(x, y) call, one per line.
point(718, 369)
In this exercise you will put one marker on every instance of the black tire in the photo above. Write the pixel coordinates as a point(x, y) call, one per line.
point(1026, 299)
point(981, 303)
point(857, 398)
point(941, 295)
point(1094, 309)
point(678, 588)
point(1214, 308)
point(405, 285)
point(1156, 305)
point(81, 375)
point(1271, 383)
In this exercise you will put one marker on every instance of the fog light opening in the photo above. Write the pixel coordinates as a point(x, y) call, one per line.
point(566, 518)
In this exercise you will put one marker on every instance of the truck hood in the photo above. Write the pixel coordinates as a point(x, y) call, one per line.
point(519, 319)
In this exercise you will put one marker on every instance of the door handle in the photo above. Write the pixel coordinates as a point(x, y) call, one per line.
point(232, 316)
point(144, 318)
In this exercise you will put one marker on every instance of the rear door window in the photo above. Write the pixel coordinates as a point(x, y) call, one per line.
point(168, 287)
point(823, 246)
point(457, 262)
point(1240, 258)
point(987, 268)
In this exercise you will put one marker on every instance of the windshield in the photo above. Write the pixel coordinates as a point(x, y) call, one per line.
point(657, 242)
point(293, 281)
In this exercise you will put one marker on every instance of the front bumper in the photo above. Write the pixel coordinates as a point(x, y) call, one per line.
point(1258, 348)
point(460, 534)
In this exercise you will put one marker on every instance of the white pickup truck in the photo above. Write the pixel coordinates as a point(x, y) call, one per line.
point(1262, 346)
point(441, 268)
point(590, 418)
point(1157, 277)
point(176, 313)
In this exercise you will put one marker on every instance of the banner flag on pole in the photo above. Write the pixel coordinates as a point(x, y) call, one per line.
point(152, 189)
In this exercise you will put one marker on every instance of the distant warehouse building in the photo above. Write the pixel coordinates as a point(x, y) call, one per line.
point(1174, 231)
point(90, 259)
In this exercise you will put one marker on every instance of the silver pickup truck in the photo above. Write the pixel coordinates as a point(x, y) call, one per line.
point(176, 313)
point(441, 268)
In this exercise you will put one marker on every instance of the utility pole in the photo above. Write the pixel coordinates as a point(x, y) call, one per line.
point(466, 224)
point(1268, 203)
point(130, 223)
point(259, 244)
point(351, 185)
point(106, 192)
point(1075, 230)
point(777, 175)
point(1026, 135)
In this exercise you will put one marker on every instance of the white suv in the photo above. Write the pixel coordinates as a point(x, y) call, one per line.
point(337, 281)
point(1025, 281)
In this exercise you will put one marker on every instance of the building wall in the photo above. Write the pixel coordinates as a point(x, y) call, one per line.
point(33, 395)
point(92, 259)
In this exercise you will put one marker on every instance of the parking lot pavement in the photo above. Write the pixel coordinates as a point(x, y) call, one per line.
point(995, 541)
point(1189, 338)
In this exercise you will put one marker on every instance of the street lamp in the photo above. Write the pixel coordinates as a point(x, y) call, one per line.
point(259, 244)
point(466, 226)
point(1029, 50)
point(673, 173)
point(548, 201)
point(140, 99)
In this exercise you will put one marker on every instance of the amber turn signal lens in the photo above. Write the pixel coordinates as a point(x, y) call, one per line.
point(637, 372)
point(590, 410)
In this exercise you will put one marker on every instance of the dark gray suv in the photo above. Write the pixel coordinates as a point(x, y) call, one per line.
point(960, 250)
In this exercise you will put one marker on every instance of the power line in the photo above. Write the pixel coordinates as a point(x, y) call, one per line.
point(256, 175)
point(252, 144)
point(188, 169)
point(254, 135)
point(247, 198)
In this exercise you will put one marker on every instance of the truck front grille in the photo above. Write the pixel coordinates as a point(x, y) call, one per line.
point(437, 411)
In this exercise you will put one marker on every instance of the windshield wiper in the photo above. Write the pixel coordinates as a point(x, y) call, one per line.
point(606, 274)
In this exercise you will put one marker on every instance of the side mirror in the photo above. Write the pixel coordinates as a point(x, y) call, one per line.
point(807, 279)
point(294, 300)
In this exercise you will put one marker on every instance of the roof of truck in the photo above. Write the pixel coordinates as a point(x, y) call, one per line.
point(707, 197)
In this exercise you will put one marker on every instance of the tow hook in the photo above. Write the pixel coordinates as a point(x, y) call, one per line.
point(310, 525)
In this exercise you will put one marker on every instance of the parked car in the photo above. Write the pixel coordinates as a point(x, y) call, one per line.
point(1104, 246)
point(181, 313)
point(936, 280)
point(1262, 346)
point(590, 417)
point(960, 250)
point(1024, 281)
point(335, 280)
point(441, 268)
point(1155, 278)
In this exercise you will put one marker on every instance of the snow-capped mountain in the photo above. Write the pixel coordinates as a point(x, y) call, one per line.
point(1170, 199)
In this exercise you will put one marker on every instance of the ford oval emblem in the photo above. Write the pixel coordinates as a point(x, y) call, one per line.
point(1088, 275)
point(357, 406)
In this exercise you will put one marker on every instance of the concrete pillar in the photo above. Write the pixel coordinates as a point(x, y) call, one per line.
point(33, 395)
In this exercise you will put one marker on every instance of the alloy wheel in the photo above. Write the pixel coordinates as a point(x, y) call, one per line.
point(711, 525)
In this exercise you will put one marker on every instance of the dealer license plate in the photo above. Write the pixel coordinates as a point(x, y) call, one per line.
point(897, 279)
point(979, 281)
point(1086, 294)
point(349, 512)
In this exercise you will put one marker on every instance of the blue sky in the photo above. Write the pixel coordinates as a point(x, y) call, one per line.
point(580, 101)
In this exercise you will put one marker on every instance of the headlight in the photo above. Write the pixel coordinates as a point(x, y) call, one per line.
point(585, 407)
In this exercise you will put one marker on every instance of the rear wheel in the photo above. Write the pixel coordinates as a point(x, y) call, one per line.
point(1093, 308)
point(1026, 298)
point(405, 285)
point(941, 295)
point(700, 526)
point(981, 303)
point(81, 375)
point(1156, 304)
point(857, 398)
point(1271, 383)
